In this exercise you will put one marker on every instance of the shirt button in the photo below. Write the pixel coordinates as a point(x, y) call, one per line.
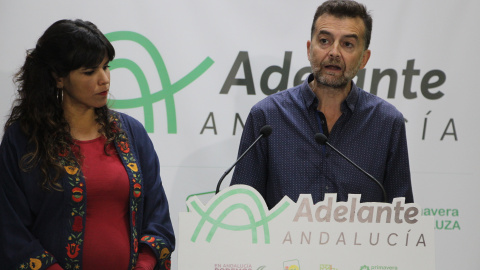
point(326, 187)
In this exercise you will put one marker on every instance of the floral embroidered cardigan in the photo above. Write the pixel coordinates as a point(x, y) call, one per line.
point(39, 228)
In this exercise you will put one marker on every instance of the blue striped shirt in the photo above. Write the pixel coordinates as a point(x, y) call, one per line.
point(370, 131)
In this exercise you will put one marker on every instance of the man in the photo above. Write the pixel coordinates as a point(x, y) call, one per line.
point(367, 129)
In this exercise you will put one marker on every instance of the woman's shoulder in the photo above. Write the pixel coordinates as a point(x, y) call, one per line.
point(126, 119)
point(15, 139)
point(129, 124)
point(14, 132)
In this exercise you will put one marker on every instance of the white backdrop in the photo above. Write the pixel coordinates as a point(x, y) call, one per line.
point(429, 45)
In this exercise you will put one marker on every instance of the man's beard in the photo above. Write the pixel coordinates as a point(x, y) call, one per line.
point(321, 76)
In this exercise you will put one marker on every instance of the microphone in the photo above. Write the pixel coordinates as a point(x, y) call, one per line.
point(322, 139)
point(265, 131)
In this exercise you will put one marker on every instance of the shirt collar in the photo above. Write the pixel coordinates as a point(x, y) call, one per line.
point(309, 97)
point(352, 98)
point(310, 100)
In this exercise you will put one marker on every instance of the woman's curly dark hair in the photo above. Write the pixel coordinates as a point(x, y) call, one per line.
point(65, 46)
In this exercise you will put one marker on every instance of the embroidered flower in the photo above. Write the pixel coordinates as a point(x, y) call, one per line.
point(77, 194)
point(124, 146)
point(72, 250)
point(164, 253)
point(168, 264)
point(63, 153)
point(133, 167)
point(148, 239)
point(137, 190)
point(71, 169)
point(35, 264)
point(135, 245)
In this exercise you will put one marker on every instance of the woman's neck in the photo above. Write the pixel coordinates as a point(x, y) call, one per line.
point(83, 124)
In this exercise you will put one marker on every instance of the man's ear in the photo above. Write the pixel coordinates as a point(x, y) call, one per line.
point(309, 44)
point(58, 80)
point(365, 57)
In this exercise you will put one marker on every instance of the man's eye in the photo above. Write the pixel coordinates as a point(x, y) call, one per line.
point(323, 41)
point(106, 67)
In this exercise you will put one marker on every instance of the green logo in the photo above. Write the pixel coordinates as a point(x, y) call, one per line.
point(147, 98)
point(252, 224)
point(364, 268)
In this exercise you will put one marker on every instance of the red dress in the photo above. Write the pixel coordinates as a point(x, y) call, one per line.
point(107, 243)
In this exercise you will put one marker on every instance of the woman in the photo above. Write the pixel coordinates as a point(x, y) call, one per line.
point(79, 184)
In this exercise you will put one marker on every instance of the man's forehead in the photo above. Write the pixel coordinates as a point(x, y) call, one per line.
point(339, 25)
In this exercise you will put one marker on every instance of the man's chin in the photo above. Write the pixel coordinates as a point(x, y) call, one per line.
point(335, 84)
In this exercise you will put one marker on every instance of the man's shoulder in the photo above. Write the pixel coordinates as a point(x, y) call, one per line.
point(283, 98)
point(371, 102)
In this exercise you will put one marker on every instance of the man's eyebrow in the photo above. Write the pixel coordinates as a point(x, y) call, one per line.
point(351, 36)
point(325, 32)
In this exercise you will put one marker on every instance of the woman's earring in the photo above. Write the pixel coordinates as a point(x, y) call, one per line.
point(60, 95)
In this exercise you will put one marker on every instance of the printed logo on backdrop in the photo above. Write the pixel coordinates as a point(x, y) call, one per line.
point(215, 218)
point(147, 97)
point(258, 217)
point(238, 218)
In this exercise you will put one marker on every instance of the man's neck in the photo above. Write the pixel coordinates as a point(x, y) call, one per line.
point(330, 100)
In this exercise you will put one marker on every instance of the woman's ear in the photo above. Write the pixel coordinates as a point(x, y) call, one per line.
point(58, 80)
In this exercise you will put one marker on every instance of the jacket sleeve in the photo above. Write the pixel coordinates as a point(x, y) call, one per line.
point(157, 231)
point(19, 248)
